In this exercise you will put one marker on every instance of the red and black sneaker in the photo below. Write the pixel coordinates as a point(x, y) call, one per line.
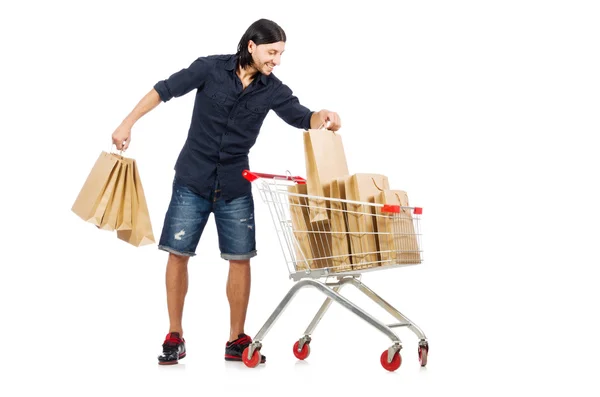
point(234, 349)
point(173, 349)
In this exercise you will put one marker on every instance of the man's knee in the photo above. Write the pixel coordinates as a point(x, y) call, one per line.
point(178, 260)
point(239, 262)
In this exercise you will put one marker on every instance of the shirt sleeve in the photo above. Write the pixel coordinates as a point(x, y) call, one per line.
point(289, 109)
point(184, 81)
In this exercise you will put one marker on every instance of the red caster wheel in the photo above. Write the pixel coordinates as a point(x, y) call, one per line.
point(302, 354)
point(392, 366)
point(423, 350)
point(253, 361)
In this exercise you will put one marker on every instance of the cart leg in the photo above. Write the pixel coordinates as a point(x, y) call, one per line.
point(390, 309)
point(317, 319)
point(321, 312)
point(332, 296)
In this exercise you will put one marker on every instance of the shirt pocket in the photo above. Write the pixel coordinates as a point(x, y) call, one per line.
point(215, 102)
point(218, 97)
point(254, 112)
point(256, 107)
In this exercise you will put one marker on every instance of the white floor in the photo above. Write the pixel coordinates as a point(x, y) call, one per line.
point(94, 326)
point(484, 112)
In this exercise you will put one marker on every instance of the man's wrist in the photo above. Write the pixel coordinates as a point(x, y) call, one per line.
point(127, 123)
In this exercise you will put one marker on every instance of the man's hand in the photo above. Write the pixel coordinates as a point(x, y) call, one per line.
point(323, 116)
point(122, 137)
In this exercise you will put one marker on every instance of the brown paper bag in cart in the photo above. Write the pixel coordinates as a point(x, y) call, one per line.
point(300, 221)
point(396, 232)
point(94, 196)
point(325, 160)
point(141, 230)
point(340, 247)
point(361, 218)
point(312, 243)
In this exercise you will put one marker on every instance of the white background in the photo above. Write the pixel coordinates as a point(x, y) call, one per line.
point(484, 112)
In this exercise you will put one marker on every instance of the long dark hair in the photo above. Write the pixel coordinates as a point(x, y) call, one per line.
point(262, 31)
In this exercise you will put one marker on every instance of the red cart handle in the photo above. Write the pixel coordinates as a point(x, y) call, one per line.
point(252, 176)
point(395, 209)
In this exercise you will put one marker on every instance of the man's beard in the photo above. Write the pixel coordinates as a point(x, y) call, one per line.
point(262, 67)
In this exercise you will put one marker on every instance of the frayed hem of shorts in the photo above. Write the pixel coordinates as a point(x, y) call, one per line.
point(233, 257)
point(171, 250)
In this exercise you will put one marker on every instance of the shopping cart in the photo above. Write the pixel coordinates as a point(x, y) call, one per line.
point(357, 237)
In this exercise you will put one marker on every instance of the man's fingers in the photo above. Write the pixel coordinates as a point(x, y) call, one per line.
point(334, 121)
point(121, 144)
point(331, 120)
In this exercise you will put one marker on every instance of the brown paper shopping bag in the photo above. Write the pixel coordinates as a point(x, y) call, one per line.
point(95, 193)
point(300, 221)
point(141, 230)
point(124, 218)
point(312, 240)
point(116, 201)
point(361, 218)
point(340, 247)
point(397, 239)
point(325, 160)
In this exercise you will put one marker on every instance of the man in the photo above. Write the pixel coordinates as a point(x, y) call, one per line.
point(234, 93)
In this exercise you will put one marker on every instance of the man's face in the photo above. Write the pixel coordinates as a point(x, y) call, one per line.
point(266, 56)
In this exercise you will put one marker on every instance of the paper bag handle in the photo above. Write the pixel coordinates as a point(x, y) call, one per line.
point(400, 201)
point(324, 125)
point(111, 150)
point(398, 197)
point(375, 183)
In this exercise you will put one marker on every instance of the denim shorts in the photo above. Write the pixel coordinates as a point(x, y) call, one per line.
point(188, 213)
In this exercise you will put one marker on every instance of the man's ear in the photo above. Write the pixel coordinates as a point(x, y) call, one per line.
point(251, 46)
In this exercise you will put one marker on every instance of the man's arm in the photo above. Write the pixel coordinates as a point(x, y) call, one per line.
point(176, 85)
point(122, 135)
point(288, 108)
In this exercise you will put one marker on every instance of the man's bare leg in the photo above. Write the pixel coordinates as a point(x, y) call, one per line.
point(177, 286)
point(238, 294)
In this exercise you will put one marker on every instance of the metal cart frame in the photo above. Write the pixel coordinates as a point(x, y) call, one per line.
point(274, 191)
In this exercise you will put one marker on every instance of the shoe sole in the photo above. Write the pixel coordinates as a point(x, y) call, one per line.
point(171, 362)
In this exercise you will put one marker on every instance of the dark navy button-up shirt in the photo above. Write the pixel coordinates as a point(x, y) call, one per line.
point(226, 121)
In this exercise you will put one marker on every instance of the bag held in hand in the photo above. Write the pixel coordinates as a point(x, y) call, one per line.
point(112, 198)
point(141, 231)
point(95, 195)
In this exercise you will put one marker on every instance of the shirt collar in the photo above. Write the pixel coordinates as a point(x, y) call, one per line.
point(231, 65)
